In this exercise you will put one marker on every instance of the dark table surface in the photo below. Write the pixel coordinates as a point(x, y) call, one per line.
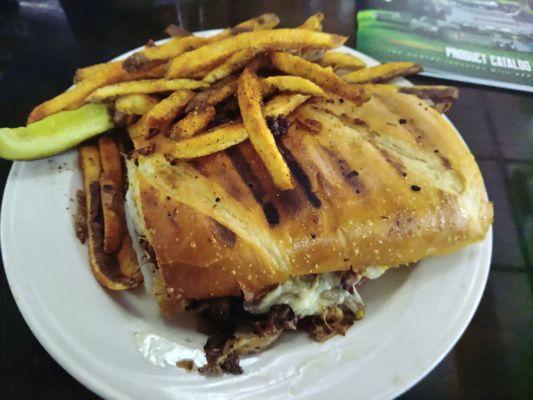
point(42, 42)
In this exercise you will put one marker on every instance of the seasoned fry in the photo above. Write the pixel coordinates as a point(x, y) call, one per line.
point(211, 54)
point(138, 133)
point(339, 60)
point(265, 21)
point(98, 71)
point(194, 122)
point(144, 86)
point(326, 79)
point(382, 72)
point(223, 136)
point(111, 188)
point(135, 104)
point(290, 84)
point(104, 266)
point(210, 142)
point(115, 68)
point(88, 80)
point(127, 261)
point(215, 94)
point(161, 115)
point(283, 104)
point(70, 99)
point(314, 23)
point(152, 56)
point(234, 63)
point(249, 98)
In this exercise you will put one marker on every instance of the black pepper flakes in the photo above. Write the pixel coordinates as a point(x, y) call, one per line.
point(313, 236)
point(415, 188)
point(402, 121)
point(217, 199)
point(352, 174)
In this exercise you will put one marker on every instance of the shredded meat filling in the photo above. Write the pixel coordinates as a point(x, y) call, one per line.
point(221, 318)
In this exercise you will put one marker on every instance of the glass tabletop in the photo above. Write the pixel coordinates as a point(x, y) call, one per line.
point(43, 42)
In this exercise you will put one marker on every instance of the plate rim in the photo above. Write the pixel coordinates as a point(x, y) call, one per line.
point(100, 386)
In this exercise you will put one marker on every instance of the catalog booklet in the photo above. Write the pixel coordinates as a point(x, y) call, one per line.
point(480, 41)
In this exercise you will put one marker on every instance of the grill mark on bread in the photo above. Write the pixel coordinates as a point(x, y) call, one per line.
point(350, 175)
point(394, 163)
point(290, 201)
point(253, 182)
point(299, 174)
point(216, 166)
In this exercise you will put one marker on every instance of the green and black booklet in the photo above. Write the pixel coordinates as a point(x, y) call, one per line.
point(488, 42)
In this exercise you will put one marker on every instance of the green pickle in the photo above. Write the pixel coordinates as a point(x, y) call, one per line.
point(55, 133)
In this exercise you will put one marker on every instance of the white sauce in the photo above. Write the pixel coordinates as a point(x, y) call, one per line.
point(162, 351)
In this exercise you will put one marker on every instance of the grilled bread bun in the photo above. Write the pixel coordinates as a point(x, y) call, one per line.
point(386, 183)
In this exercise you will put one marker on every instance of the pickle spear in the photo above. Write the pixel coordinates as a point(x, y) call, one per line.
point(55, 133)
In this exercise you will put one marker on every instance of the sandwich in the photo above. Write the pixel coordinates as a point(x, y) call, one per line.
point(259, 178)
point(377, 186)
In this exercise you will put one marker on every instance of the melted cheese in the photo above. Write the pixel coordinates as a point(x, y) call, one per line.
point(313, 295)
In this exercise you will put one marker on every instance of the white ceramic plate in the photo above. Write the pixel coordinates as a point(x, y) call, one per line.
point(117, 345)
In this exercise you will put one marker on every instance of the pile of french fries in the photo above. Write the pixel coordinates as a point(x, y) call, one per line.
point(173, 98)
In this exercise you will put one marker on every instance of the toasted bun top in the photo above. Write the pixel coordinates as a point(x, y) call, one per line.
point(386, 183)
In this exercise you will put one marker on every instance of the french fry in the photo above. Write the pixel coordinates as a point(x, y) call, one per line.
point(278, 39)
point(67, 100)
point(135, 104)
point(194, 122)
point(286, 83)
point(223, 136)
point(115, 68)
point(105, 266)
point(283, 104)
point(111, 187)
point(162, 114)
point(144, 86)
point(151, 56)
point(138, 133)
point(326, 79)
point(314, 23)
point(339, 60)
point(249, 98)
point(87, 81)
point(98, 71)
point(265, 21)
point(382, 72)
point(215, 94)
point(127, 261)
point(439, 97)
point(207, 143)
point(234, 63)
